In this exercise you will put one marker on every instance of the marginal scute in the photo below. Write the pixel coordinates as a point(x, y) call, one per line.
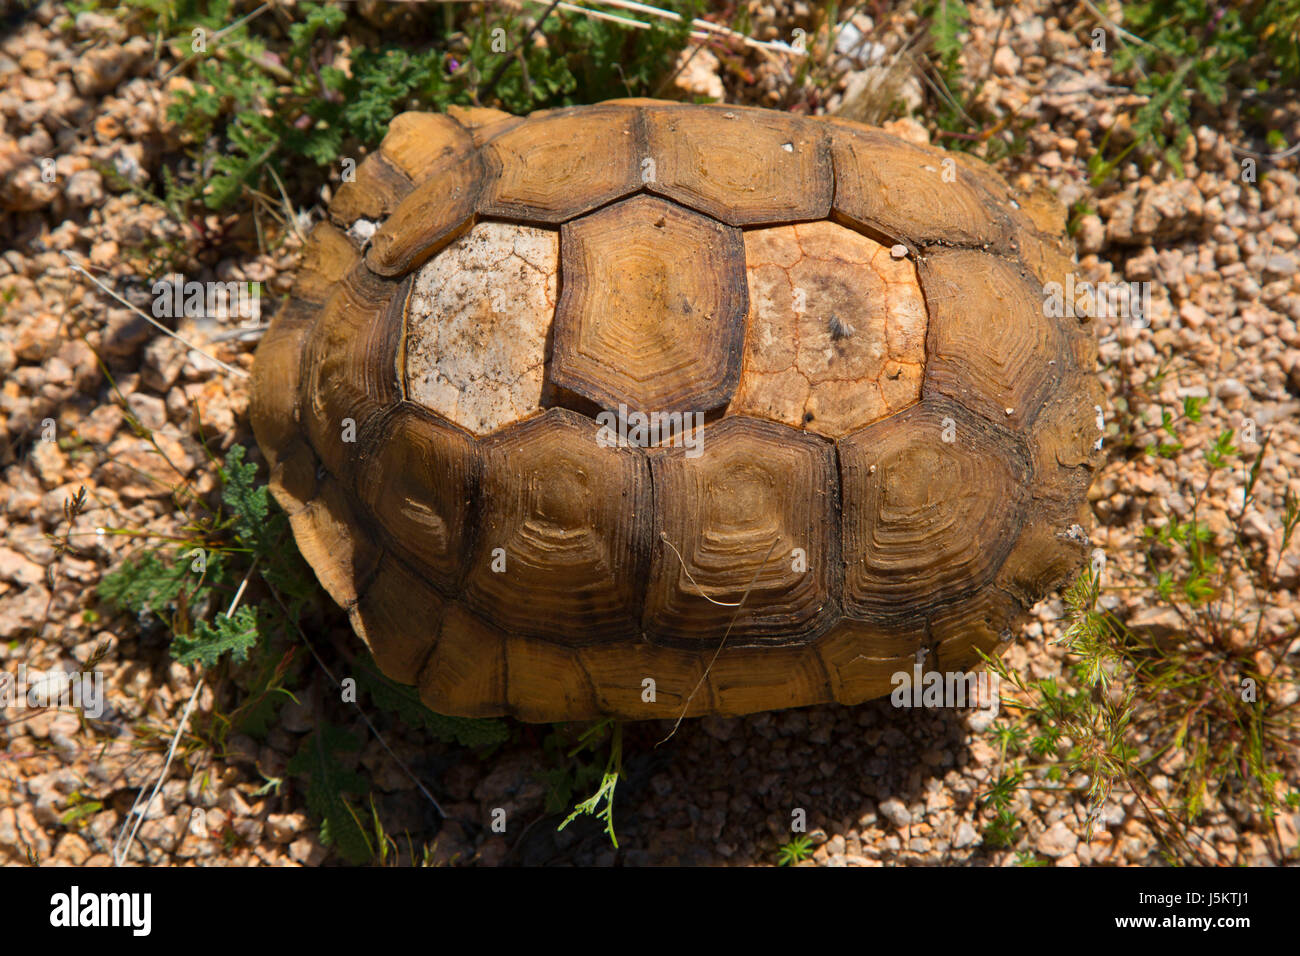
point(962, 629)
point(327, 256)
point(465, 674)
point(740, 166)
point(416, 148)
point(1050, 262)
point(295, 477)
point(1066, 433)
point(557, 686)
point(273, 402)
point(748, 679)
point(378, 188)
point(1043, 555)
point(747, 537)
point(477, 117)
point(861, 659)
point(934, 497)
point(668, 341)
point(563, 521)
point(641, 681)
point(477, 325)
point(399, 641)
point(989, 344)
point(836, 330)
point(334, 544)
point(417, 143)
point(532, 169)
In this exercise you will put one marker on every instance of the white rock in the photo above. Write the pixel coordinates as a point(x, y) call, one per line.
point(1057, 841)
point(895, 812)
point(965, 836)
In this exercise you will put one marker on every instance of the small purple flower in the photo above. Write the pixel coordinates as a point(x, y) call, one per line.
point(453, 65)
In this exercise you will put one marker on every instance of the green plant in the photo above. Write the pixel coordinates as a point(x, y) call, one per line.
point(221, 548)
point(272, 104)
point(1206, 713)
point(243, 546)
point(484, 735)
point(574, 773)
point(795, 852)
point(80, 809)
point(328, 784)
point(1195, 53)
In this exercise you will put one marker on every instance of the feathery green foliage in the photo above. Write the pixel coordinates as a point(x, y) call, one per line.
point(404, 701)
point(1172, 719)
point(328, 784)
point(1196, 53)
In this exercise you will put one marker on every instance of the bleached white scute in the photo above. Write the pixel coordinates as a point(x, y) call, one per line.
point(477, 322)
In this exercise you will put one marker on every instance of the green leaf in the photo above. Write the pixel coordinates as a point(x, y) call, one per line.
point(247, 501)
point(796, 851)
point(236, 635)
point(947, 24)
point(327, 785)
point(404, 701)
point(146, 584)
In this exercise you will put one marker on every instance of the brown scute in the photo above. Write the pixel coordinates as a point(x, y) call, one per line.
point(927, 521)
point(884, 184)
point(327, 257)
point(531, 169)
point(746, 531)
point(637, 680)
point(378, 188)
point(334, 543)
point(432, 215)
point(477, 117)
point(683, 232)
point(861, 659)
point(349, 373)
point(671, 340)
point(398, 617)
point(421, 479)
point(465, 674)
point(989, 345)
point(744, 167)
point(568, 520)
point(1043, 555)
point(748, 679)
point(273, 404)
point(419, 143)
point(964, 628)
point(557, 683)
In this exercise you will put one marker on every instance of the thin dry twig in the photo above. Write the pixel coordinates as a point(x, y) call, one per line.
point(744, 597)
point(155, 323)
point(121, 849)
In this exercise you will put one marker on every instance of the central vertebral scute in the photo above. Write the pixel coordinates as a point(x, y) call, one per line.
point(836, 329)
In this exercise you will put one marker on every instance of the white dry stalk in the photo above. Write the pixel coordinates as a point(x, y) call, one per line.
point(700, 28)
point(217, 36)
point(120, 854)
point(155, 323)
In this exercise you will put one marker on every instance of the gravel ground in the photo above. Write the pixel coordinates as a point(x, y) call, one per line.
point(879, 787)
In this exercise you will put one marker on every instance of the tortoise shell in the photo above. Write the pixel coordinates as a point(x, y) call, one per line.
point(642, 409)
